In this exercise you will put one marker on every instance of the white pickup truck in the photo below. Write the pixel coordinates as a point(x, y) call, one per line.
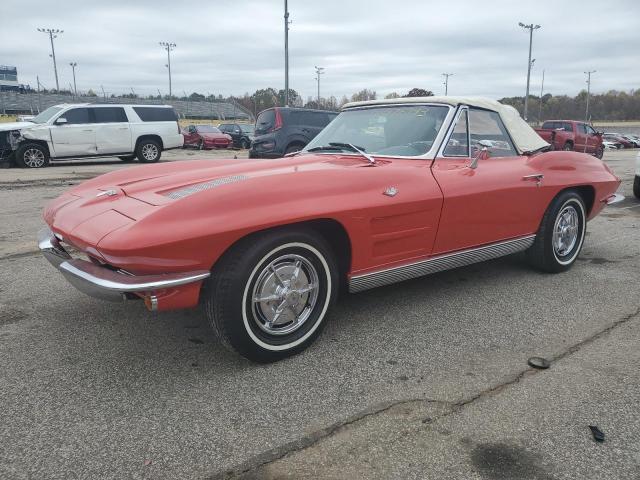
point(90, 130)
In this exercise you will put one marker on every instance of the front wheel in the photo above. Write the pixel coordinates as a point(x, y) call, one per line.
point(561, 234)
point(568, 147)
point(600, 152)
point(148, 151)
point(244, 144)
point(636, 186)
point(32, 155)
point(269, 295)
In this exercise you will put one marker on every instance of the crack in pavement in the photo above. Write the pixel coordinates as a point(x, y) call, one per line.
point(313, 438)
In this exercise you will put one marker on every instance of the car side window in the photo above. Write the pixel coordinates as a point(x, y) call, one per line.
point(590, 131)
point(222, 128)
point(567, 127)
point(109, 115)
point(487, 125)
point(458, 144)
point(77, 116)
point(192, 129)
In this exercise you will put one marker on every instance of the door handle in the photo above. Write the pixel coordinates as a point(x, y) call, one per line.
point(538, 177)
point(123, 128)
point(87, 130)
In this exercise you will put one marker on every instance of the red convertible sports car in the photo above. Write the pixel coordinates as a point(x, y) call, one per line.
point(389, 190)
point(205, 137)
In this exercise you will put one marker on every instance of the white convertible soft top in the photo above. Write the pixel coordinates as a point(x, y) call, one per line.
point(524, 137)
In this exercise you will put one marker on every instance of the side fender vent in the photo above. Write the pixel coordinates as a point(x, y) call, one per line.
point(199, 187)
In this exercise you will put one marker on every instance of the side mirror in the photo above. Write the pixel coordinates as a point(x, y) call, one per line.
point(61, 121)
point(482, 154)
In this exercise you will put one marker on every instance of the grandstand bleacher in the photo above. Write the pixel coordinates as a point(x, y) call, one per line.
point(14, 103)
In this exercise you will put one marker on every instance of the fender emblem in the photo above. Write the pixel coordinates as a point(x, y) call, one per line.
point(108, 193)
point(390, 192)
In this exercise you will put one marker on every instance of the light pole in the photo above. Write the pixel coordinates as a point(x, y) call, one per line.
point(73, 67)
point(531, 27)
point(446, 82)
point(319, 71)
point(286, 53)
point(586, 115)
point(541, 90)
point(53, 33)
point(168, 47)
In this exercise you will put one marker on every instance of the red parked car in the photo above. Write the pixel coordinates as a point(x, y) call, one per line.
point(390, 190)
point(572, 135)
point(205, 137)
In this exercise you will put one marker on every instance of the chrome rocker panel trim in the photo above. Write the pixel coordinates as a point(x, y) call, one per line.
point(100, 282)
point(359, 283)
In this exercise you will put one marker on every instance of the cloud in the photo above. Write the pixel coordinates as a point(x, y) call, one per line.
point(231, 47)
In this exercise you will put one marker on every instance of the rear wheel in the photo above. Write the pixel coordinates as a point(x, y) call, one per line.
point(268, 296)
point(201, 145)
point(244, 143)
point(568, 147)
point(32, 155)
point(636, 186)
point(148, 151)
point(561, 234)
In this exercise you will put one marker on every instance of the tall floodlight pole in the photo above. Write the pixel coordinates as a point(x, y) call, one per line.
point(586, 115)
point(531, 27)
point(168, 47)
point(53, 33)
point(286, 53)
point(319, 71)
point(73, 67)
point(541, 90)
point(446, 82)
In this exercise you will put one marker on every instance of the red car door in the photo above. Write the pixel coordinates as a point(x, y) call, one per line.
point(497, 200)
point(190, 135)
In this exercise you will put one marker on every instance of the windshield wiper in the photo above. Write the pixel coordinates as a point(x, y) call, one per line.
point(356, 149)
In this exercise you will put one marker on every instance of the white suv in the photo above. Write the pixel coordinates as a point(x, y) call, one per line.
point(89, 130)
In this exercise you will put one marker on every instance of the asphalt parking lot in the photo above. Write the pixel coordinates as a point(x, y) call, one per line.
point(424, 379)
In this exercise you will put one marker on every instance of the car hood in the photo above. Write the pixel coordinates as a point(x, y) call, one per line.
point(167, 182)
point(6, 127)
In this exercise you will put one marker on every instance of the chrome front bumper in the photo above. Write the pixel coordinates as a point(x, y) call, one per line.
point(101, 282)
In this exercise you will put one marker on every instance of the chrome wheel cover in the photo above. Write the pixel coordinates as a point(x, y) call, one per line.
point(33, 158)
point(565, 231)
point(284, 294)
point(149, 151)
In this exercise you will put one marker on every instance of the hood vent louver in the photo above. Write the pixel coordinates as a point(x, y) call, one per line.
point(198, 187)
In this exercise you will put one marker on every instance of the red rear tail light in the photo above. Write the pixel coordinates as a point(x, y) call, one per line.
point(278, 124)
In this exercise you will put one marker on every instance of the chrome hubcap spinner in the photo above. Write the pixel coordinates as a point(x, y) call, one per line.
point(565, 231)
point(285, 294)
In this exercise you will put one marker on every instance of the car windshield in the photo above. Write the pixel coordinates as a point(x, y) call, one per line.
point(45, 116)
point(398, 130)
point(207, 129)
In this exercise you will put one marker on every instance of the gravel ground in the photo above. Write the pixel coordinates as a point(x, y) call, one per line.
point(90, 389)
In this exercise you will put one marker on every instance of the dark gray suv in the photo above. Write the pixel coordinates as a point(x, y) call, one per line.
point(282, 130)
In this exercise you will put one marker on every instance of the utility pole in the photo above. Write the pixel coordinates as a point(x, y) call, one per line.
point(53, 33)
point(531, 27)
point(73, 67)
point(586, 115)
point(104, 95)
point(286, 53)
point(446, 82)
point(39, 106)
point(541, 90)
point(319, 71)
point(168, 47)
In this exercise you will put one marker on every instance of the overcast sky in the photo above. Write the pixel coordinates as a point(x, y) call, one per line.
point(236, 46)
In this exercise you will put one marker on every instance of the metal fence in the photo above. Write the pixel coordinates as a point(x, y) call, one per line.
point(13, 103)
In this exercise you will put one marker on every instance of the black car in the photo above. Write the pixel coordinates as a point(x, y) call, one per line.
point(241, 133)
point(282, 130)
